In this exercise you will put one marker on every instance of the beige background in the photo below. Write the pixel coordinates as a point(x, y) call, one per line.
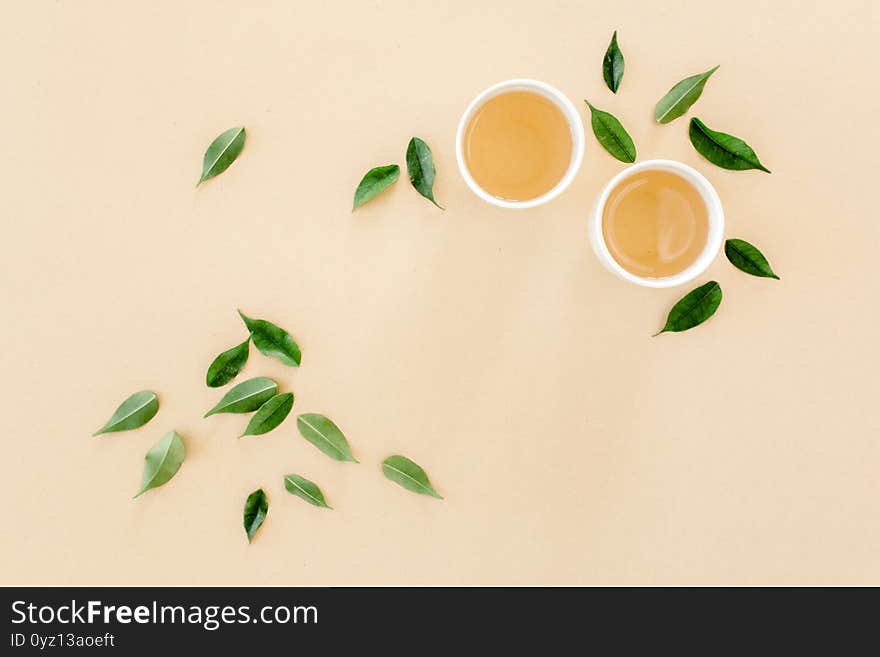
point(487, 345)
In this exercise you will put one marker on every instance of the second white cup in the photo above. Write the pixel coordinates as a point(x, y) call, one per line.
point(713, 209)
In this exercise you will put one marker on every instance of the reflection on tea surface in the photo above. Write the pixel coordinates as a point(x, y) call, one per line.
point(655, 224)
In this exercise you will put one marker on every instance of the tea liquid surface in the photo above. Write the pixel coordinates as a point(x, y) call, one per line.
point(655, 224)
point(518, 145)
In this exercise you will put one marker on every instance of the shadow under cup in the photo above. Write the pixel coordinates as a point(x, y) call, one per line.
point(714, 213)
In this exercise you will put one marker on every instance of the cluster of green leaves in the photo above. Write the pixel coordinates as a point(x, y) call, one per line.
point(419, 166)
point(270, 408)
point(260, 396)
point(719, 148)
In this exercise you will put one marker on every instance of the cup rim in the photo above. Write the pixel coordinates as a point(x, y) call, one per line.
point(713, 241)
point(567, 108)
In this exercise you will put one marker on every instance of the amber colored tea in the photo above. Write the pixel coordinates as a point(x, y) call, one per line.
point(517, 145)
point(655, 224)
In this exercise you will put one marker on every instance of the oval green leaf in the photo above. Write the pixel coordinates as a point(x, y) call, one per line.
point(325, 435)
point(255, 509)
point(307, 490)
point(134, 412)
point(748, 258)
point(221, 153)
point(162, 461)
point(247, 396)
point(420, 166)
point(612, 135)
point(723, 150)
point(401, 470)
point(373, 182)
point(273, 340)
point(227, 365)
point(612, 65)
point(693, 309)
point(679, 99)
point(269, 415)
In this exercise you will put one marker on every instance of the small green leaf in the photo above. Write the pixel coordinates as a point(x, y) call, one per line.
point(401, 470)
point(247, 396)
point(373, 182)
point(273, 340)
point(307, 490)
point(221, 153)
point(693, 309)
point(162, 461)
point(420, 166)
point(612, 65)
point(255, 509)
point(227, 365)
point(748, 258)
point(325, 435)
point(679, 99)
point(269, 415)
point(612, 135)
point(726, 151)
point(134, 412)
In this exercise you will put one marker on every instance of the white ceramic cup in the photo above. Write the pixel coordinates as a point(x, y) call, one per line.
point(713, 210)
point(574, 123)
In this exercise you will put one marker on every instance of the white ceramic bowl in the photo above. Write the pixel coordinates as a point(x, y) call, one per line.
point(574, 123)
point(713, 207)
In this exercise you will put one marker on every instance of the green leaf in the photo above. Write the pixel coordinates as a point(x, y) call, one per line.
point(269, 415)
point(255, 509)
point(679, 99)
point(420, 166)
point(162, 461)
point(373, 182)
point(748, 258)
point(401, 470)
point(612, 135)
point(221, 153)
point(726, 151)
point(227, 365)
point(693, 309)
point(247, 396)
point(134, 412)
point(307, 490)
point(325, 435)
point(273, 340)
point(612, 65)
